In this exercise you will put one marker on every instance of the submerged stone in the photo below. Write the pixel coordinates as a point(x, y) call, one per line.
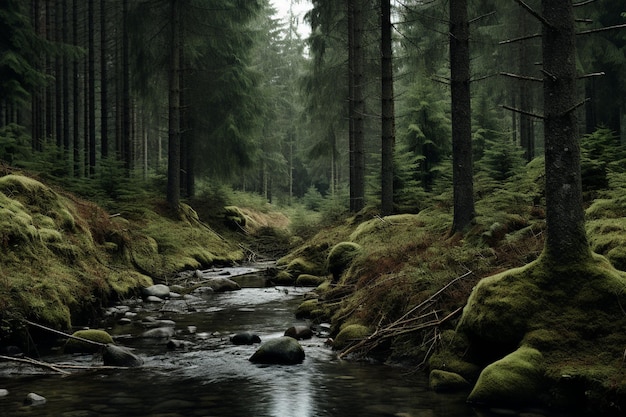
point(280, 351)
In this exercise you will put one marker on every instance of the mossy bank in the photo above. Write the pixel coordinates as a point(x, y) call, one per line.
point(484, 309)
point(63, 258)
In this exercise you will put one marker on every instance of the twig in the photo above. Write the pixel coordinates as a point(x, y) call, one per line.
point(69, 336)
point(34, 362)
point(534, 13)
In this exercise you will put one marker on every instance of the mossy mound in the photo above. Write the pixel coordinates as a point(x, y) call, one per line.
point(341, 257)
point(515, 380)
point(78, 346)
point(350, 334)
point(444, 381)
point(308, 280)
point(571, 314)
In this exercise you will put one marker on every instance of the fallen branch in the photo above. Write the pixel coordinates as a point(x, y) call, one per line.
point(31, 361)
point(401, 326)
point(69, 336)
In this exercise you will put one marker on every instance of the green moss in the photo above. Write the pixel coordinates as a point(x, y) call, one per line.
point(515, 380)
point(444, 381)
point(341, 256)
point(307, 280)
point(301, 266)
point(349, 334)
point(308, 309)
point(78, 346)
point(283, 278)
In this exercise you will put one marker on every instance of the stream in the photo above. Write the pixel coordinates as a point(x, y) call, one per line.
point(207, 375)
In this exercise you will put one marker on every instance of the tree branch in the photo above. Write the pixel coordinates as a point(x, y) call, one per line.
point(593, 74)
point(523, 38)
point(583, 3)
point(526, 113)
point(533, 13)
point(481, 17)
point(590, 31)
point(521, 77)
point(576, 106)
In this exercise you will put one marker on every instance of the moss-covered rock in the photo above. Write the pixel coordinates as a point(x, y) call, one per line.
point(350, 334)
point(518, 379)
point(341, 256)
point(444, 381)
point(283, 350)
point(308, 309)
point(568, 321)
point(100, 337)
point(308, 280)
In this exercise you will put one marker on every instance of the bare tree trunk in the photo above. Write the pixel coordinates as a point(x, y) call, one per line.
point(173, 159)
point(92, 87)
point(566, 239)
point(104, 83)
point(462, 164)
point(357, 105)
point(388, 111)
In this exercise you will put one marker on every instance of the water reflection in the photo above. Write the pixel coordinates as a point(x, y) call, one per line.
point(212, 377)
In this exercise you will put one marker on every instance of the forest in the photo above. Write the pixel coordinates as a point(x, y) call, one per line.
point(429, 140)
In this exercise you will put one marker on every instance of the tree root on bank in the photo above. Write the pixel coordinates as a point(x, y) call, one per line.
point(416, 319)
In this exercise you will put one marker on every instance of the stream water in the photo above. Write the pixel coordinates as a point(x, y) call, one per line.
point(212, 377)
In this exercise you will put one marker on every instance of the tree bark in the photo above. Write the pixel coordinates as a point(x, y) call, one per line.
point(462, 164)
point(92, 87)
point(357, 105)
point(173, 158)
point(566, 239)
point(104, 83)
point(387, 110)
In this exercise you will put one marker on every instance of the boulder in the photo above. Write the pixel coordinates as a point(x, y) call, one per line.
point(308, 280)
point(245, 338)
point(158, 290)
point(119, 356)
point(299, 332)
point(222, 284)
point(281, 351)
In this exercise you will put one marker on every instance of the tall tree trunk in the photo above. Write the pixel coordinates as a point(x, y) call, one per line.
point(66, 80)
point(58, 77)
point(388, 112)
point(526, 131)
point(127, 137)
point(566, 239)
point(357, 105)
point(76, 93)
point(173, 159)
point(104, 83)
point(92, 87)
point(462, 165)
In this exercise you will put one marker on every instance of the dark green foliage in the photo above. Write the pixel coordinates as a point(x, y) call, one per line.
point(20, 47)
point(501, 158)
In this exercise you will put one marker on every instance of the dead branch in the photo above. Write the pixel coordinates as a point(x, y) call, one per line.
point(521, 38)
point(583, 3)
point(593, 74)
point(406, 324)
point(69, 336)
point(590, 31)
point(474, 20)
point(535, 14)
point(576, 106)
point(30, 361)
point(521, 77)
point(526, 113)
